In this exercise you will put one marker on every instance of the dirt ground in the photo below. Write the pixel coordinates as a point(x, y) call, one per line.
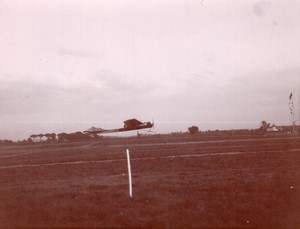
point(178, 182)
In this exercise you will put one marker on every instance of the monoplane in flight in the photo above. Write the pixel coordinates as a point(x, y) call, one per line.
point(130, 124)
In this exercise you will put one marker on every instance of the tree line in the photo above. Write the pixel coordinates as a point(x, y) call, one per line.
point(61, 137)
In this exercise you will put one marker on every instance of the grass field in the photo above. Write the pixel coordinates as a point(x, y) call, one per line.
point(178, 182)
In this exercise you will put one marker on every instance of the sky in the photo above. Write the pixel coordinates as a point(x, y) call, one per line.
point(67, 65)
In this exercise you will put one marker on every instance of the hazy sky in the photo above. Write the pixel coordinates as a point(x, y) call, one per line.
point(67, 65)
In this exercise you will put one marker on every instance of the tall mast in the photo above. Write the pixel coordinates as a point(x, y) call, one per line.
point(291, 106)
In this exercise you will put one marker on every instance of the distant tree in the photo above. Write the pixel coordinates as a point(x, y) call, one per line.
point(62, 137)
point(6, 142)
point(264, 125)
point(77, 136)
point(193, 129)
point(33, 136)
point(53, 136)
point(48, 136)
point(40, 136)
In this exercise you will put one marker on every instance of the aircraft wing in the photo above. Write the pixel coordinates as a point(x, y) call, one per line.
point(94, 130)
point(131, 123)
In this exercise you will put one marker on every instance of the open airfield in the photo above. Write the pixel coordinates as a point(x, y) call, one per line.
point(179, 181)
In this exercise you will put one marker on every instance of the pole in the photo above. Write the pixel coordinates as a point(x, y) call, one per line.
point(291, 104)
point(129, 173)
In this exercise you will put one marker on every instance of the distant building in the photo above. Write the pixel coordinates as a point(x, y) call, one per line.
point(272, 129)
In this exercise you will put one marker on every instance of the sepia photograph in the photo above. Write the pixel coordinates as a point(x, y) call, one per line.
point(149, 114)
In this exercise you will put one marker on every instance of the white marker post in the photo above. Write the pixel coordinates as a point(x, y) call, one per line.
point(129, 173)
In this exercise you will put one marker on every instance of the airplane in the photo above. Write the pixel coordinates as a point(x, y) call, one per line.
point(130, 124)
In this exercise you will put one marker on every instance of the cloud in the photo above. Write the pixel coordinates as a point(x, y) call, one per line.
point(121, 85)
point(77, 53)
point(20, 97)
point(260, 8)
point(107, 96)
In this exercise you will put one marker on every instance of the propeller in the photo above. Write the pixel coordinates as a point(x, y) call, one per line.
point(152, 128)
